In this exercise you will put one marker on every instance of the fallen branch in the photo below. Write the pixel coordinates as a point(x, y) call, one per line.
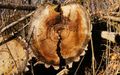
point(108, 35)
point(18, 7)
point(111, 36)
point(16, 22)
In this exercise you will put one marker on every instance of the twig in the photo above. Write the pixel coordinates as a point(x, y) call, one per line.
point(99, 64)
point(32, 70)
point(63, 72)
point(79, 66)
point(14, 35)
point(93, 58)
point(114, 7)
point(112, 18)
point(16, 22)
point(18, 7)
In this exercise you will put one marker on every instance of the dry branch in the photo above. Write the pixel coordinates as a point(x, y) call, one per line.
point(63, 72)
point(16, 22)
point(108, 36)
point(18, 7)
point(13, 35)
point(111, 36)
point(112, 18)
point(114, 7)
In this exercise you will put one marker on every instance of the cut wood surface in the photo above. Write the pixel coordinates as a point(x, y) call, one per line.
point(60, 32)
point(13, 57)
